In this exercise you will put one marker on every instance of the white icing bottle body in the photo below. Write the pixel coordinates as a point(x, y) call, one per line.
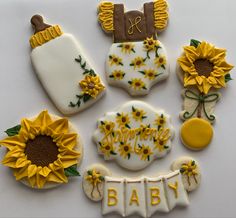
point(61, 67)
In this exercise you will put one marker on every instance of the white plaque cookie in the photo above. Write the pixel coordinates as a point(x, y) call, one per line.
point(134, 135)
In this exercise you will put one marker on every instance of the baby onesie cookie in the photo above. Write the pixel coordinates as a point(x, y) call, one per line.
point(147, 195)
point(62, 68)
point(202, 69)
point(137, 59)
point(43, 152)
point(134, 135)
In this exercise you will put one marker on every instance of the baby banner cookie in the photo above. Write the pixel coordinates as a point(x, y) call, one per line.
point(203, 70)
point(134, 135)
point(137, 59)
point(62, 68)
point(144, 196)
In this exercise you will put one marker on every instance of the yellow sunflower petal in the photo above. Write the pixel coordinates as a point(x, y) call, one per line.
point(219, 54)
point(32, 181)
point(55, 177)
point(211, 80)
point(199, 80)
point(184, 63)
point(205, 50)
point(15, 153)
point(221, 81)
point(225, 66)
point(58, 176)
point(43, 120)
point(206, 86)
point(9, 162)
point(189, 81)
point(59, 126)
point(40, 181)
point(69, 140)
point(68, 162)
point(21, 173)
point(44, 171)
point(32, 170)
point(22, 162)
point(190, 52)
point(12, 142)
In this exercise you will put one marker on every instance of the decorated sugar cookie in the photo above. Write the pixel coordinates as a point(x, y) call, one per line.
point(145, 195)
point(137, 59)
point(134, 135)
point(43, 152)
point(203, 70)
point(63, 70)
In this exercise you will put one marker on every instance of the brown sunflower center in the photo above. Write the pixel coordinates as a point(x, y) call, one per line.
point(108, 127)
point(203, 67)
point(91, 85)
point(123, 119)
point(42, 150)
point(107, 147)
point(137, 84)
point(138, 114)
point(126, 148)
point(145, 151)
point(127, 47)
point(138, 62)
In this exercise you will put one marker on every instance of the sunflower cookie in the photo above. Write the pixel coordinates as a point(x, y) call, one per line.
point(145, 195)
point(202, 69)
point(62, 68)
point(134, 135)
point(137, 59)
point(43, 152)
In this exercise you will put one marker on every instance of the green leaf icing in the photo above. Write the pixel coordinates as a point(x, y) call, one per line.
point(71, 171)
point(228, 78)
point(13, 131)
point(194, 42)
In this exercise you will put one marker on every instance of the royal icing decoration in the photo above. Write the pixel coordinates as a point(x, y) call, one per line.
point(145, 196)
point(137, 59)
point(134, 135)
point(43, 151)
point(64, 72)
point(203, 70)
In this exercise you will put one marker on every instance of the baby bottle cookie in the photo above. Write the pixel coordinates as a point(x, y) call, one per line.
point(134, 135)
point(202, 69)
point(62, 68)
point(137, 59)
point(144, 195)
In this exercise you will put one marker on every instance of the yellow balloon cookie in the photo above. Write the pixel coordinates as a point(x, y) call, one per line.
point(196, 133)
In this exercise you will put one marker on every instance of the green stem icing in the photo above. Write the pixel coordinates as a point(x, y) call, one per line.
point(83, 97)
point(202, 100)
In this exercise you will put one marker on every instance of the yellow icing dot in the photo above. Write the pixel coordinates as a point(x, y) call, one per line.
point(196, 133)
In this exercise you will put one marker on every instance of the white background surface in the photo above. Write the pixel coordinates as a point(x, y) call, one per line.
point(21, 96)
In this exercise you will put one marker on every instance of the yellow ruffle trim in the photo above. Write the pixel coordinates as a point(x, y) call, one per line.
point(160, 14)
point(44, 36)
point(24, 169)
point(105, 15)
